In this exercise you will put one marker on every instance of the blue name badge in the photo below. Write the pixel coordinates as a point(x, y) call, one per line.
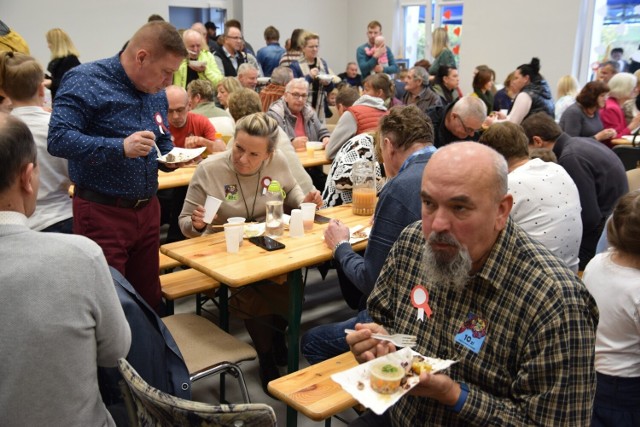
point(472, 333)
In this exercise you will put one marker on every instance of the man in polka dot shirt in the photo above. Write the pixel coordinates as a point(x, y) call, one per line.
point(546, 202)
point(109, 121)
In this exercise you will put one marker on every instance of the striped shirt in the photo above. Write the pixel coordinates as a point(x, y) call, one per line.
point(536, 364)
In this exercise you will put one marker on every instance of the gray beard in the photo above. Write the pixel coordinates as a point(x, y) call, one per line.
point(443, 270)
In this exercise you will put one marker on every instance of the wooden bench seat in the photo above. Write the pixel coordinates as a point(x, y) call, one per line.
point(184, 283)
point(167, 263)
point(311, 390)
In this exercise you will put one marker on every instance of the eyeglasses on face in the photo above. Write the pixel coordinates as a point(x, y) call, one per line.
point(467, 129)
point(298, 95)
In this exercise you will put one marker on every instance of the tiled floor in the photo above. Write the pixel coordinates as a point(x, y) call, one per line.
point(323, 304)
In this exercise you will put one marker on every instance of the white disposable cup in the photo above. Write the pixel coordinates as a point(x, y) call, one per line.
point(211, 206)
point(504, 111)
point(238, 220)
point(231, 238)
point(308, 214)
point(296, 228)
point(311, 149)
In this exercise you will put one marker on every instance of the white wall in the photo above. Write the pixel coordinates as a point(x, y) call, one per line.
point(327, 18)
point(98, 28)
point(546, 29)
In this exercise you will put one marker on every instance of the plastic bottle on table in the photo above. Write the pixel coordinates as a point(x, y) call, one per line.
point(274, 226)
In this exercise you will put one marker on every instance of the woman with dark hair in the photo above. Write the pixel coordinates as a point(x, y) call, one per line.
point(534, 93)
point(482, 86)
point(583, 117)
point(613, 279)
point(446, 84)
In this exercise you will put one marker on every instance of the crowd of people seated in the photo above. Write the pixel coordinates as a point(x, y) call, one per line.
point(490, 201)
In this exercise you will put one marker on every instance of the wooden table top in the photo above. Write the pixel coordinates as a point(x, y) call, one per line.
point(624, 141)
point(251, 264)
point(178, 178)
point(312, 392)
point(182, 176)
point(319, 158)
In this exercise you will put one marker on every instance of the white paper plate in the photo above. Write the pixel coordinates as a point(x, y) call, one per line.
point(182, 154)
point(356, 381)
point(252, 230)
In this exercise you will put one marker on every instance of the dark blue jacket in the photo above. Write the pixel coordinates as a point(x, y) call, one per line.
point(153, 354)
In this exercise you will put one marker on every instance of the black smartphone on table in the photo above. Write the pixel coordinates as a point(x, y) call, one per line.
point(266, 243)
point(319, 219)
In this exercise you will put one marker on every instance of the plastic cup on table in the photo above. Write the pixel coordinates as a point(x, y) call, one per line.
point(311, 149)
point(211, 206)
point(238, 220)
point(308, 214)
point(231, 234)
point(296, 227)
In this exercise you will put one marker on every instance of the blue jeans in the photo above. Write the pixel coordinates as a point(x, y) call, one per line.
point(326, 341)
point(64, 226)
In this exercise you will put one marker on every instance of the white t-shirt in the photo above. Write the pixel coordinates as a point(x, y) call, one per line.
point(616, 290)
point(547, 206)
point(53, 204)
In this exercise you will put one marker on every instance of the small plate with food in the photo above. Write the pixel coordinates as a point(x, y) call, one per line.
point(253, 229)
point(358, 233)
point(181, 155)
point(380, 383)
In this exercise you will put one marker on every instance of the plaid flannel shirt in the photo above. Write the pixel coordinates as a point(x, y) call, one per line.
point(536, 366)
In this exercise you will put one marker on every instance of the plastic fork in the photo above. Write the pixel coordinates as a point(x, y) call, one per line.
point(400, 340)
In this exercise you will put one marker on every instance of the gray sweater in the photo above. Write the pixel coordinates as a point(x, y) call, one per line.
point(61, 319)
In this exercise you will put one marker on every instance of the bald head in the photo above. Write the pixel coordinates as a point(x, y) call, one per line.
point(465, 204)
point(468, 159)
point(178, 100)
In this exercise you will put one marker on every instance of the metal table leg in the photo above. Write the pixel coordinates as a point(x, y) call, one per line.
point(296, 292)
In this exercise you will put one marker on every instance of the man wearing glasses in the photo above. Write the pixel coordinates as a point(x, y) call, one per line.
point(459, 121)
point(296, 117)
point(230, 56)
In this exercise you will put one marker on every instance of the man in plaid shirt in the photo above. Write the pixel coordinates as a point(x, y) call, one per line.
point(520, 324)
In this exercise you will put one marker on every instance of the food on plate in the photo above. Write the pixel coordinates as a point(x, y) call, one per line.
point(386, 377)
point(420, 365)
point(170, 157)
point(360, 234)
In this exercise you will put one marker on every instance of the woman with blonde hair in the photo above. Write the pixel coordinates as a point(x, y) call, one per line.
point(440, 51)
point(503, 99)
point(236, 176)
point(316, 72)
point(64, 56)
point(567, 91)
point(227, 86)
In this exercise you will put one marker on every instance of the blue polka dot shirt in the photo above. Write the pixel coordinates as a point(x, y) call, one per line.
point(96, 108)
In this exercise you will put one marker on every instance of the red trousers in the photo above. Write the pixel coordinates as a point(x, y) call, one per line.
point(130, 240)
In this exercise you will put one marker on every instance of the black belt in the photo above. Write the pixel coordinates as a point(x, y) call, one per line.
point(103, 199)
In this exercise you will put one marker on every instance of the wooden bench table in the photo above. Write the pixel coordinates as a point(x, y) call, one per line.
point(312, 392)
